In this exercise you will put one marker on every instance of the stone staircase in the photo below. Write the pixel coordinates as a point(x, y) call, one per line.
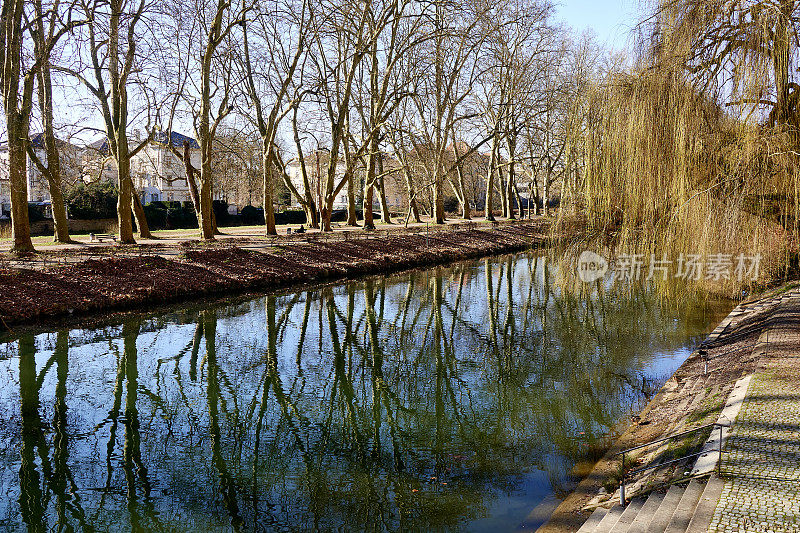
point(679, 510)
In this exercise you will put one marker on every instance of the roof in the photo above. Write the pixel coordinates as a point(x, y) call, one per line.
point(175, 138)
point(160, 137)
point(461, 146)
point(37, 141)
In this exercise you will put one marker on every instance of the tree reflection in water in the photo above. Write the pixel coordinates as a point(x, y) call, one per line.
point(441, 399)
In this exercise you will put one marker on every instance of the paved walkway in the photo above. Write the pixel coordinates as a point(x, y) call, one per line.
point(255, 234)
point(762, 459)
point(173, 243)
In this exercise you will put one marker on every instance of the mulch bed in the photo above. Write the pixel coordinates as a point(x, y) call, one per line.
point(101, 285)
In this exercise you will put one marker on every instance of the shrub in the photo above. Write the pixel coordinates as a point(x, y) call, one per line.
point(92, 201)
point(220, 208)
point(156, 215)
point(181, 217)
point(252, 216)
point(450, 204)
point(35, 212)
point(289, 217)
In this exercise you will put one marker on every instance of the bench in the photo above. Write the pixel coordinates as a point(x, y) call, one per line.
point(100, 237)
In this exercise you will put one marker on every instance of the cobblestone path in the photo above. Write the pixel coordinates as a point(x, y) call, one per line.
point(762, 457)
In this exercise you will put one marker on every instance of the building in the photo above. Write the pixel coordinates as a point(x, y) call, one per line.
point(160, 175)
point(157, 173)
point(5, 198)
point(394, 185)
point(316, 165)
point(38, 187)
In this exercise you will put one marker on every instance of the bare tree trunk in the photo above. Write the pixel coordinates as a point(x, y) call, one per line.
point(490, 181)
point(510, 188)
point(546, 192)
point(352, 215)
point(438, 198)
point(465, 209)
point(369, 222)
point(412, 195)
point(124, 200)
point(307, 201)
point(502, 184)
point(205, 222)
point(138, 213)
point(17, 121)
point(53, 169)
point(385, 215)
point(17, 177)
point(326, 213)
point(60, 222)
point(266, 170)
point(369, 183)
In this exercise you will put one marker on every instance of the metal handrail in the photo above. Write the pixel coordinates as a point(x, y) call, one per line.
point(659, 464)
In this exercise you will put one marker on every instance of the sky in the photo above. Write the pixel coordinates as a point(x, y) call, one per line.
point(611, 20)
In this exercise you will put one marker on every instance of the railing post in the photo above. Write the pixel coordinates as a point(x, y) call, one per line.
point(719, 459)
point(622, 483)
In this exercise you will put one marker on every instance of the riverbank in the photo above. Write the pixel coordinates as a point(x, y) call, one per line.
point(694, 396)
point(119, 278)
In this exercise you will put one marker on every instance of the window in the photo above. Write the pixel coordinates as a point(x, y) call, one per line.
point(153, 197)
point(170, 197)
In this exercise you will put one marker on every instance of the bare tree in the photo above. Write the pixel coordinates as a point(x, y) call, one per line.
point(111, 46)
point(18, 85)
point(519, 49)
point(216, 20)
point(748, 49)
point(278, 61)
point(341, 44)
point(448, 71)
point(384, 88)
point(48, 22)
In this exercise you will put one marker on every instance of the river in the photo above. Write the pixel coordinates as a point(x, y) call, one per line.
point(454, 398)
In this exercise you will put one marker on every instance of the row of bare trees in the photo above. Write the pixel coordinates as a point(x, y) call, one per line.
point(436, 83)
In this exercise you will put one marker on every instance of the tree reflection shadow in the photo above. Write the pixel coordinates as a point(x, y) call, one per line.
point(412, 402)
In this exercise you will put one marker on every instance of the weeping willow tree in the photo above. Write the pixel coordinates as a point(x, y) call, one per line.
point(695, 148)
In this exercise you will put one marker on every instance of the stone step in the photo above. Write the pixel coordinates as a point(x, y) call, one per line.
point(627, 517)
point(593, 520)
point(663, 515)
point(706, 506)
point(685, 509)
point(609, 520)
point(680, 510)
point(642, 521)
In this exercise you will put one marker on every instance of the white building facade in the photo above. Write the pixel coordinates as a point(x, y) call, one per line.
point(317, 170)
point(158, 174)
point(38, 188)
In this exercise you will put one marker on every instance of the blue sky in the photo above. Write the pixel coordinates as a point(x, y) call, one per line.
point(611, 20)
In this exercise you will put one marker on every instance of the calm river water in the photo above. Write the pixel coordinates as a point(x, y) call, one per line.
point(454, 398)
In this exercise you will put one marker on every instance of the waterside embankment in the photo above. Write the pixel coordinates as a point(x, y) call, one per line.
point(136, 277)
point(693, 397)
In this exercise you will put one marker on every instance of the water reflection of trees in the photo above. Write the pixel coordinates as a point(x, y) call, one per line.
point(393, 403)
